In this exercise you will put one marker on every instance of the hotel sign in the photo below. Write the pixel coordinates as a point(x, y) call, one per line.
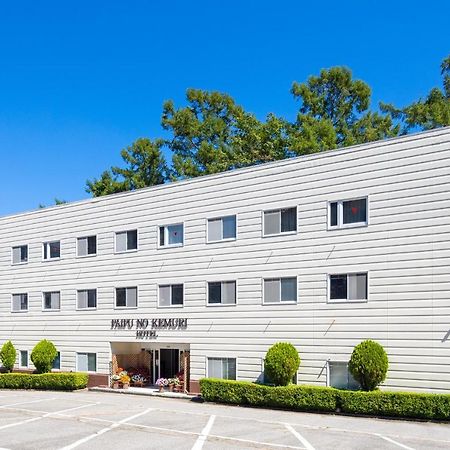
point(147, 328)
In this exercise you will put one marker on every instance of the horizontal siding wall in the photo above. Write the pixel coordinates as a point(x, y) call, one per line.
point(405, 249)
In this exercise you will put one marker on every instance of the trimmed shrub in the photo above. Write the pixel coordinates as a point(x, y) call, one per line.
point(43, 355)
point(324, 399)
point(281, 363)
point(369, 364)
point(298, 398)
point(8, 356)
point(60, 381)
point(396, 404)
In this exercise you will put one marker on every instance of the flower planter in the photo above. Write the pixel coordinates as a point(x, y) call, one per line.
point(115, 385)
point(125, 385)
point(161, 388)
point(171, 386)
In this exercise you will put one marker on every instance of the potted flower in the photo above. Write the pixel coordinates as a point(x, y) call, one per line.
point(174, 384)
point(161, 383)
point(115, 381)
point(138, 380)
point(125, 380)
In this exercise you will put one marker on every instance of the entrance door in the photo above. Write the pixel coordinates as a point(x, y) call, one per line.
point(169, 362)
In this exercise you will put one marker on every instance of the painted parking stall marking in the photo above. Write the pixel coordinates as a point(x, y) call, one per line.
point(204, 434)
point(105, 430)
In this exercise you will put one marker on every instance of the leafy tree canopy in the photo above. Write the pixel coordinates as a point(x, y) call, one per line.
point(428, 113)
point(145, 165)
point(212, 133)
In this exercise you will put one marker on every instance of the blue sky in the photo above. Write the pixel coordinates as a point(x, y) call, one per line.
point(81, 80)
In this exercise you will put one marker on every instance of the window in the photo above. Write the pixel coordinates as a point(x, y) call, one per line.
point(23, 358)
point(57, 362)
point(171, 295)
point(20, 254)
point(171, 235)
point(126, 297)
point(51, 300)
point(126, 241)
point(222, 229)
point(224, 368)
point(280, 221)
point(19, 302)
point(339, 376)
point(87, 246)
point(86, 362)
point(280, 290)
point(87, 299)
point(347, 213)
point(352, 286)
point(52, 250)
point(222, 292)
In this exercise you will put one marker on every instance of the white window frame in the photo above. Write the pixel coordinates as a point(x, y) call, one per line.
point(86, 353)
point(126, 297)
point(222, 357)
point(329, 300)
point(171, 306)
point(47, 245)
point(28, 302)
point(60, 363)
point(340, 214)
point(87, 308)
point(20, 359)
point(221, 304)
point(221, 218)
point(21, 263)
point(281, 233)
point(133, 250)
point(43, 302)
point(166, 237)
point(96, 246)
point(280, 277)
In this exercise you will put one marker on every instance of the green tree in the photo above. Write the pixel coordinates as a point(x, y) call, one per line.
point(214, 134)
point(145, 165)
point(428, 113)
point(334, 112)
point(8, 356)
point(281, 363)
point(43, 355)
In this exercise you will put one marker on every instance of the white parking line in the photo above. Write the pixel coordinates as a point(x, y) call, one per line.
point(27, 403)
point(34, 419)
point(393, 442)
point(105, 430)
point(307, 445)
point(204, 434)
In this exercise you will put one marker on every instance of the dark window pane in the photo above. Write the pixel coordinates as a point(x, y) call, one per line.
point(214, 292)
point(57, 362)
point(333, 214)
point(338, 287)
point(132, 240)
point(121, 297)
point(354, 211)
point(24, 301)
point(54, 249)
point(288, 289)
point(229, 227)
point(24, 253)
point(45, 251)
point(48, 300)
point(161, 236)
point(288, 219)
point(92, 298)
point(177, 294)
point(92, 245)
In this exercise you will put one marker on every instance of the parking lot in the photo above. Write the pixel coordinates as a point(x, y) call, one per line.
point(59, 420)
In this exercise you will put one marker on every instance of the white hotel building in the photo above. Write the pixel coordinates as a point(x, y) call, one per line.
point(322, 251)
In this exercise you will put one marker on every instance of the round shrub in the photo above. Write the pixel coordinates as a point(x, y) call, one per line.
point(43, 355)
point(8, 356)
point(369, 364)
point(281, 363)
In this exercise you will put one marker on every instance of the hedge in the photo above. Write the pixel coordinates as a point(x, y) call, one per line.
point(325, 399)
point(60, 381)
